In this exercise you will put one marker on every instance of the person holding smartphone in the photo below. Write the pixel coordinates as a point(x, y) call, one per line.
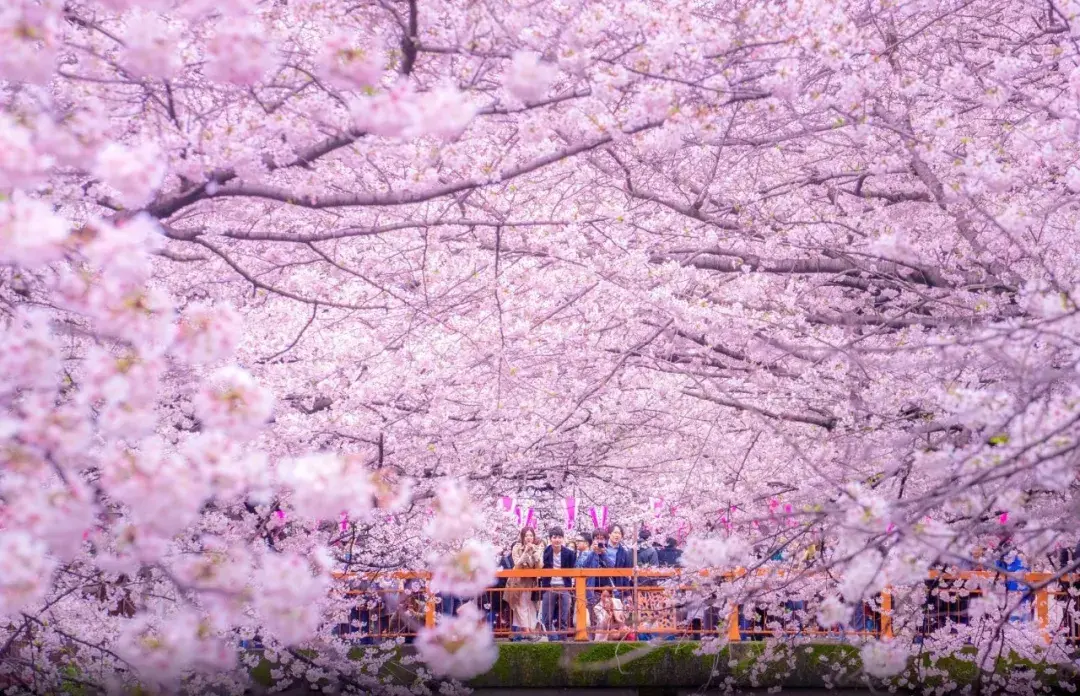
point(587, 558)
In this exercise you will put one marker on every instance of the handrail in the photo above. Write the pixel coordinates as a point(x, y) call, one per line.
point(730, 624)
point(1031, 577)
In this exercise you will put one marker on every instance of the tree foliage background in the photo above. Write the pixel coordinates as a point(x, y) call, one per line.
point(805, 270)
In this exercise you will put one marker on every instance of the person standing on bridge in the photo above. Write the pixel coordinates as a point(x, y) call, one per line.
point(586, 557)
point(670, 555)
point(526, 555)
point(618, 556)
point(557, 597)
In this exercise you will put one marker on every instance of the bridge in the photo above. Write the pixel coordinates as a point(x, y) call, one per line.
point(655, 602)
point(678, 660)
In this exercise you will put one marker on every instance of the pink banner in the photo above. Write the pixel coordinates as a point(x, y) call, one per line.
point(571, 513)
point(525, 518)
point(599, 516)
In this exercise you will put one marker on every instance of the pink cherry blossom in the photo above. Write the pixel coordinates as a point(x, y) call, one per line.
point(30, 34)
point(528, 77)
point(27, 573)
point(239, 53)
point(326, 485)
point(233, 401)
point(150, 46)
point(58, 515)
point(207, 333)
point(351, 64)
point(884, 659)
point(832, 612)
point(391, 114)
point(133, 172)
point(712, 553)
point(266, 263)
point(466, 572)
point(29, 355)
point(456, 517)
point(287, 597)
point(460, 647)
point(21, 164)
point(227, 469)
point(162, 492)
point(163, 650)
point(445, 113)
point(863, 577)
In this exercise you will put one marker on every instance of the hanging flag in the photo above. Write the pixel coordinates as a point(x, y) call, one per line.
point(599, 516)
point(525, 517)
point(344, 521)
point(571, 513)
point(508, 505)
point(657, 505)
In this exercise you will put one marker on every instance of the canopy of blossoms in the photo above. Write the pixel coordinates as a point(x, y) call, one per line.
point(297, 287)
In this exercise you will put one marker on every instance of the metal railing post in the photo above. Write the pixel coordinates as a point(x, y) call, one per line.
point(886, 613)
point(581, 610)
point(733, 634)
point(1042, 602)
point(429, 612)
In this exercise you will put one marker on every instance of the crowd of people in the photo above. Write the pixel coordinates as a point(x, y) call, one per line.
point(544, 608)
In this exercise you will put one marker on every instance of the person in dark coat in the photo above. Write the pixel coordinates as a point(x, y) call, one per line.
point(670, 555)
point(586, 557)
point(495, 601)
point(557, 595)
point(618, 555)
point(646, 555)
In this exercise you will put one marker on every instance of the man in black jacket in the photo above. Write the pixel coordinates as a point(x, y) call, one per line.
point(668, 557)
point(557, 596)
point(646, 554)
point(619, 556)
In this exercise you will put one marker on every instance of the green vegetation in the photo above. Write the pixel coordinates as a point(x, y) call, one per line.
point(677, 664)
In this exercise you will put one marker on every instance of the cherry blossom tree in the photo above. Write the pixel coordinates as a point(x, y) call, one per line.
point(292, 288)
